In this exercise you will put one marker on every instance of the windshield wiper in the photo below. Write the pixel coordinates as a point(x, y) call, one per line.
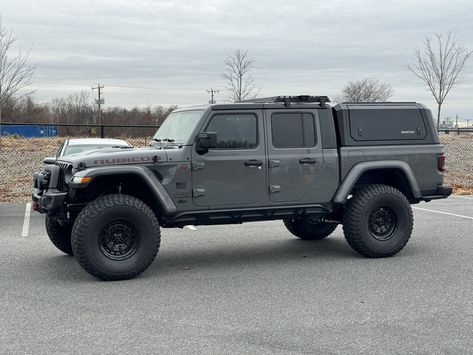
point(166, 142)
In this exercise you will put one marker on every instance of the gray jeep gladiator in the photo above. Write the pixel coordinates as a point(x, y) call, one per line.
point(295, 159)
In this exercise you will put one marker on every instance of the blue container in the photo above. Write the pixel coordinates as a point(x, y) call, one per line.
point(29, 131)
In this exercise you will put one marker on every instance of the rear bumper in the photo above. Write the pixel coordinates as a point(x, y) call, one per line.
point(443, 191)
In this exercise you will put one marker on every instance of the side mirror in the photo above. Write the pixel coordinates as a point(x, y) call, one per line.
point(49, 160)
point(206, 141)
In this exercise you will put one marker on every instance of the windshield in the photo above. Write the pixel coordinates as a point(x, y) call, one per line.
point(179, 126)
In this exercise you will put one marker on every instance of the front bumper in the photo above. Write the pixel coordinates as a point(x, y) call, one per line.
point(50, 202)
point(47, 196)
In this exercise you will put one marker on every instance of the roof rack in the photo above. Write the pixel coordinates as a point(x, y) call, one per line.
point(287, 100)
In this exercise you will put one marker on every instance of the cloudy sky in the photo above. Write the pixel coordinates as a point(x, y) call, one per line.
point(171, 52)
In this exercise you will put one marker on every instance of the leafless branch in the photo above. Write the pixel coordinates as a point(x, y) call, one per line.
point(366, 90)
point(15, 73)
point(239, 83)
point(440, 65)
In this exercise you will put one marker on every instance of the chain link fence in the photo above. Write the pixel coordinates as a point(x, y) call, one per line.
point(21, 155)
point(458, 145)
point(24, 146)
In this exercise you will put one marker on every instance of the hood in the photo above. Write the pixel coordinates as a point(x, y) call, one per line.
point(116, 156)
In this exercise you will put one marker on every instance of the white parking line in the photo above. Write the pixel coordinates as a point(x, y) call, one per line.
point(463, 197)
point(449, 214)
point(26, 221)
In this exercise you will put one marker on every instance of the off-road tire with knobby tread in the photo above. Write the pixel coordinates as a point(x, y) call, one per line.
point(306, 230)
point(365, 201)
point(91, 225)
point(59, 235)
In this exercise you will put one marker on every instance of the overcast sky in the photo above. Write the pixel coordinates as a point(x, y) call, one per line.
point(171, 52)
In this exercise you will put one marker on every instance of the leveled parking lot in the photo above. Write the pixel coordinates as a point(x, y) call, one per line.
point(250, 288)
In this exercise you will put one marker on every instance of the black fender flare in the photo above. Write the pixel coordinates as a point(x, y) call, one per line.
point(355, 172)
point(144, 173)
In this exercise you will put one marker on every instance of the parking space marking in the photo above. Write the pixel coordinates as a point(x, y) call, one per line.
point(463, 197)
point(447, 213)
point(26, 221)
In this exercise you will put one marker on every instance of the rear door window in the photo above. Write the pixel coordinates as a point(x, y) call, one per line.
point(293, 130)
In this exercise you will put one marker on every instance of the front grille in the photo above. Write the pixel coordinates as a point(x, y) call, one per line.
point(62, 172)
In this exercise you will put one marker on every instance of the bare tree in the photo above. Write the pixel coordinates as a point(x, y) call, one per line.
point(440, 65)
point(365, 90)
point(239, 83)
point(15, 73)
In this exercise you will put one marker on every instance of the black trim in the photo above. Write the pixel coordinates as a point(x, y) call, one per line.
point(50, 202)
point(236, 216)
point(356, 171)
point(146, 174)
point(443, 191)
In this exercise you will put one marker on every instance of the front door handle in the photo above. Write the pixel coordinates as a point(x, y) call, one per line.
point(253, 163)
point(307, 161)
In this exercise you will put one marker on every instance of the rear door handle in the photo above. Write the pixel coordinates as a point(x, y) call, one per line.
point(307, 161)
point(253, 163)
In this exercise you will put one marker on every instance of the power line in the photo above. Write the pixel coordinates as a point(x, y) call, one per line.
point(100, 100)
point(212, 92)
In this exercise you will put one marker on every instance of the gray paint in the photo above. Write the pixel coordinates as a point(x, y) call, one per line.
point(221, 177)
point(214, 184)
point(422, 160)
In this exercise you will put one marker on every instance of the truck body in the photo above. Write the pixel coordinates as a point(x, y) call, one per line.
point(289, 158)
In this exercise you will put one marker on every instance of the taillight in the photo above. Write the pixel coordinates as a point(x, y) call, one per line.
point(441, 162)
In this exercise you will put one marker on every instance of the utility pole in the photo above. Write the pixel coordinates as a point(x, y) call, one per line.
point(99, 101)
point(212, 92)
point(468, 123)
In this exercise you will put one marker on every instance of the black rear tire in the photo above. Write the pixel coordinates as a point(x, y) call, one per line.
point(59, 235)
point(307, 230)
point(116, 237)
point(377, 221)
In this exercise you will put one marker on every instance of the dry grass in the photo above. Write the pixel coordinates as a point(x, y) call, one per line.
point(21, 157)
point(460, 190)
point(459, 160)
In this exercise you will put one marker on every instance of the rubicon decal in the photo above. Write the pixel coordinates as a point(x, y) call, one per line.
point(124, 160)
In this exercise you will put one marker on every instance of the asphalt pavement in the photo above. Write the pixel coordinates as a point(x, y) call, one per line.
point(250, 288)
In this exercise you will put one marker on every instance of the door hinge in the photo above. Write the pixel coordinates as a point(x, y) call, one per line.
point(198, 166)
point(274, 189)
point(198, 192)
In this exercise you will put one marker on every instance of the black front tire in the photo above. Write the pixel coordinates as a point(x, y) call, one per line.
point(59, 235)
point(116, 237)
point(307, 230)
point(377, 221)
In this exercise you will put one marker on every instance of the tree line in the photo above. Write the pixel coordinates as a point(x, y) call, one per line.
point(79, 108)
